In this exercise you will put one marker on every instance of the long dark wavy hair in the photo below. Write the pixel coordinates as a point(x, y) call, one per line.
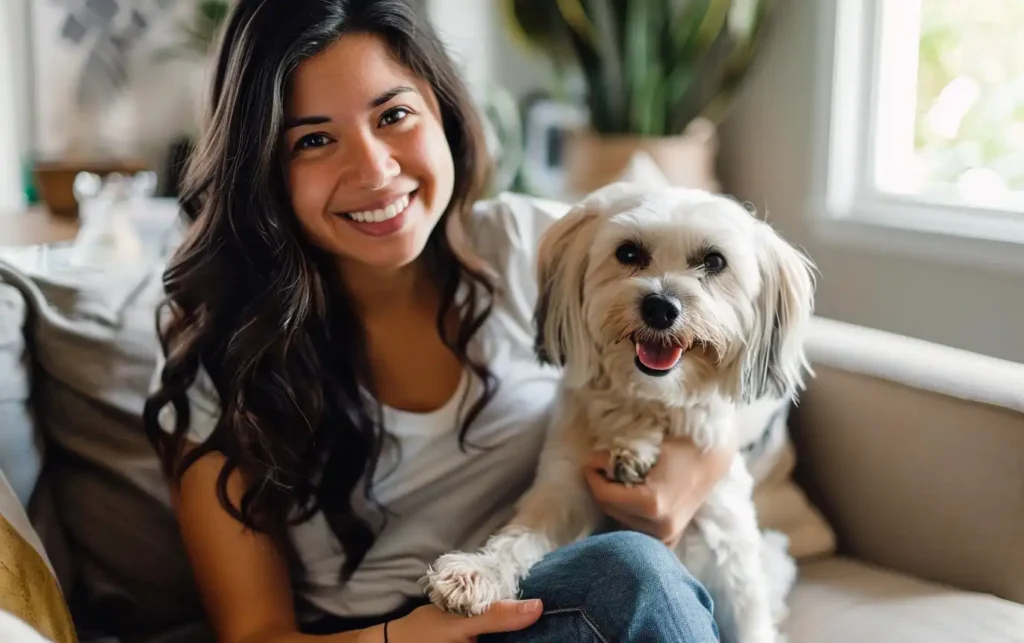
point(252, 302)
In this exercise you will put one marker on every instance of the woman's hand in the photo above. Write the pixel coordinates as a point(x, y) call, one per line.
point(673, 491)
point(428, 623)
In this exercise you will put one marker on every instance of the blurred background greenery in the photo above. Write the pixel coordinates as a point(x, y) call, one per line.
point(650, 67)
point(970, 93)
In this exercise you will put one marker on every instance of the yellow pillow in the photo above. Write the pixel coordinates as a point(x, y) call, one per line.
point(28, 589)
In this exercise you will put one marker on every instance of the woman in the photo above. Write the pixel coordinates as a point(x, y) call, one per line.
point(349, 388)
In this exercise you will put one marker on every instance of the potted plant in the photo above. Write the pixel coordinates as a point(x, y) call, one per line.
point(658, 77)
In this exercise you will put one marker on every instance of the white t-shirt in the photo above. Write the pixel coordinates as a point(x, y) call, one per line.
point(440, 497)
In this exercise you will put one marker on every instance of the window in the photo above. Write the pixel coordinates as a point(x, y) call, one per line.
point(926, 119)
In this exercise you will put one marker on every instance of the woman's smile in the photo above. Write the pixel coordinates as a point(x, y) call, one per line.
point(387, 216)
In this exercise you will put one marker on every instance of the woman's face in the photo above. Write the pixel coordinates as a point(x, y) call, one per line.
point(369, 168)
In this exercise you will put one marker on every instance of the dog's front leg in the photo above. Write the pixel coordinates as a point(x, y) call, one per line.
point(556, 511)
point(733, 571)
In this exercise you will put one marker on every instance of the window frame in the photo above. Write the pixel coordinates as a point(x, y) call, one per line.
point(850, 209)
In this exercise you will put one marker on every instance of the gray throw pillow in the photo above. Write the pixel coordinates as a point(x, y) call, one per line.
point(94, 347)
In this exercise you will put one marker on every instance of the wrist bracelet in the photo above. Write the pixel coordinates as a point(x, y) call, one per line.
point(386, 631)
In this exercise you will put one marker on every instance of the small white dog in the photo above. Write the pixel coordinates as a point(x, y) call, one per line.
point(672, 311)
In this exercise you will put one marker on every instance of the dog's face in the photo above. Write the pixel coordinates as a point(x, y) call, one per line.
point(672, 294)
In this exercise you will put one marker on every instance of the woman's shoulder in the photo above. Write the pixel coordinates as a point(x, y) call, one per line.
point(504, 232)
point(511, 223)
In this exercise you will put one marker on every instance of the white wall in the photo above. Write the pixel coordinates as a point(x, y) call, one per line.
point(463, 27)
point(477, 37)
point(14, 106)
point(768, 157)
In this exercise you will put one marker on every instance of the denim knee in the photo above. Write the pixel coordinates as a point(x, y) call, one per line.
point(620, 586)
point(638, 564)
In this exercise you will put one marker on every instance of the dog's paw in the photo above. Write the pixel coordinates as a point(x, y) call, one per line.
point(467, 584)
point(629, 467)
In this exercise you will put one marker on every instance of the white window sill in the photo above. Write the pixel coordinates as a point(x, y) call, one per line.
point(928, 232)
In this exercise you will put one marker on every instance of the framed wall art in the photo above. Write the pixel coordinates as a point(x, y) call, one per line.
point(101, 88)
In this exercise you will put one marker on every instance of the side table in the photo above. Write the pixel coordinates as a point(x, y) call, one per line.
point(37, 225)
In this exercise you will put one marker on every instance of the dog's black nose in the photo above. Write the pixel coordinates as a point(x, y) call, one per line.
point(659, 311)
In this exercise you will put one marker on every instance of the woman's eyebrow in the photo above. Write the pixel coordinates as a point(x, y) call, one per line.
point(388, 95)
point(376, 102)
point(306, 120)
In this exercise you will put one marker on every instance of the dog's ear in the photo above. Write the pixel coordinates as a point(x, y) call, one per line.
point(562, 338)
point(774, 362)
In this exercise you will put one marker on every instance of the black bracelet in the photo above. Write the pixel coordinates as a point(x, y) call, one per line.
point(386, 631)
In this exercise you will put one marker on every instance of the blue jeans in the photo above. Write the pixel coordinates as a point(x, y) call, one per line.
point(619, 587)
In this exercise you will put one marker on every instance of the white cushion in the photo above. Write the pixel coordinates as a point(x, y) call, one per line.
point(15, 630)
point(839, 600)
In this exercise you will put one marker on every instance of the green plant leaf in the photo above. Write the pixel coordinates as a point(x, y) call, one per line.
point(608, 47)
point(684, 26)
point(715, 20)
point(650, 66)
point(538, 25)
point(214, 11)
point(637, 61)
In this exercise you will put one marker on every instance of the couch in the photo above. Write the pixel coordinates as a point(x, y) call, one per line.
point(913, 452)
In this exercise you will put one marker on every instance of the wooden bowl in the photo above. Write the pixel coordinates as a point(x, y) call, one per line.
point(55, 180)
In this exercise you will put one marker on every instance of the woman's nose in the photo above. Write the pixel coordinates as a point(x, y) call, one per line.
point(370, 163)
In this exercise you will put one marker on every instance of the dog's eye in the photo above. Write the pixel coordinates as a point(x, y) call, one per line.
point(714, 262)
point(630, 253)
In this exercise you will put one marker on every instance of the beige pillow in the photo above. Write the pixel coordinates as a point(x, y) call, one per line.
point(782, 505)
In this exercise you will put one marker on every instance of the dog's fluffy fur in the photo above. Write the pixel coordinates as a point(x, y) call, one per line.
point(742, 329)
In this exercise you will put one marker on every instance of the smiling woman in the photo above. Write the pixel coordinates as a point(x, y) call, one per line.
point(348, 386)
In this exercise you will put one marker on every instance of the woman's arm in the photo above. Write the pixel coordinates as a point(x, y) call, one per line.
point(242, 578)
point(244, 584)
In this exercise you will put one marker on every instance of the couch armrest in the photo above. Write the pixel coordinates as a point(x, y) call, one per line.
point(915, 453)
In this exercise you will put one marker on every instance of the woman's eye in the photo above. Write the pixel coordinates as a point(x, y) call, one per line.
point(714, 262)
point(311, 141)
point(630, 253)
point(393, 115)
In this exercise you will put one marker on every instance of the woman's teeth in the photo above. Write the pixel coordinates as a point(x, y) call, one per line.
point(383, 214)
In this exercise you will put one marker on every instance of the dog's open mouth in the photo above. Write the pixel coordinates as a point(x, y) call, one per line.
point(657, 357)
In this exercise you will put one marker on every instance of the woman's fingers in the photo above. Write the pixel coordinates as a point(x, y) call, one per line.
point(429, 623)
point(503, 616)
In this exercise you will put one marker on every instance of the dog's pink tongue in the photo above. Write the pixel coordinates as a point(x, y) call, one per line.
point(658, 357)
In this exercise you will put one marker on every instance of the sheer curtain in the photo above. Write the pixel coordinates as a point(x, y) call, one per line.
point(13, 59)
